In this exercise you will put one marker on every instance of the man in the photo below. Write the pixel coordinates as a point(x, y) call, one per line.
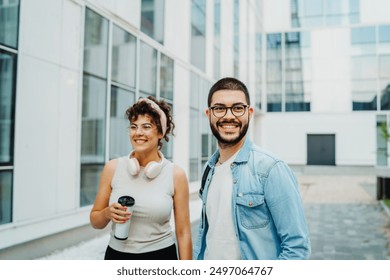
point(252, 208)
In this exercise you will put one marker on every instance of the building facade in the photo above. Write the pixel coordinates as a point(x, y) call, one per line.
point(325, 98)
point(318, 72)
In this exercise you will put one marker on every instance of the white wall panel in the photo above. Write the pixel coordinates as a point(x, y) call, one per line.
point(36, 139)
point(181, 118)
point(226, 38)
point(331, 71)
point(69, 112)
point(40, 30)
point(374, 11)
point(276, 15)
point(178, 28)
point(71, 36)
point(129, 11)
point(286, 136)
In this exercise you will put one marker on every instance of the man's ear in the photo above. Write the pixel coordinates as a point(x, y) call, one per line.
point(207, 112)
point(250, 110)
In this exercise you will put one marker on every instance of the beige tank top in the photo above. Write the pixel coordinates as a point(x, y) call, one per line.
point(150, 229)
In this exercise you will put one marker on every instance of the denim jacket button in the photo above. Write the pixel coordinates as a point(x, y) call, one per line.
point(240, 194)
point(250, 203)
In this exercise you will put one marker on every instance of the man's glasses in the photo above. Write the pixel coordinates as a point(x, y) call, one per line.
point(237, 110)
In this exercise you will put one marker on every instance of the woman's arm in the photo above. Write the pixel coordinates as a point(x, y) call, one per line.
point(182, 214)
point(102, 213)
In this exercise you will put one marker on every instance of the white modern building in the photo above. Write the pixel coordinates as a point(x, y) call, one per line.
point(318, 72)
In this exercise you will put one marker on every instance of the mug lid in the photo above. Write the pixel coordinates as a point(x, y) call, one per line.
point(126, 200)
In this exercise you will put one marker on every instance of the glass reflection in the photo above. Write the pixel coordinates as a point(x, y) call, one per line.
point(198, 33)
point(152, 19)
point(7, 105)
point(385, 98)
point(119, 134)
point(148, 70)
point(95, 44)
point(315, 13)
point(5, 197)
point(9, 23)
point(297, 51)
point(166, 77)
point(274, 72)
point(124, 47)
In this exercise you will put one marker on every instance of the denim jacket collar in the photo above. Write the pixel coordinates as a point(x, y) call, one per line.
point(242, 156)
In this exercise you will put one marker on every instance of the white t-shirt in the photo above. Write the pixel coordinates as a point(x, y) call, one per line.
point(221, 240)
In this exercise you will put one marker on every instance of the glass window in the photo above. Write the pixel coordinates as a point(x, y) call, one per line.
point(385, 95)
point(381, 141)
point(259, 65)
point(217, 38)
point(93, 120)
point(364, 67)
point(384, 79)
point(198, 33)
point(312, 13)
point(199, 126)
point(363, 41)
point(313, 8)
point(274, 72)
point(121, 100)
point(93, 105)
point(148, 70)
point(124, 47)
point(236, 38)
point(95, 44)
point(152, 19)
point(89, 181)
point(384, 34)
point(5, 196)
point(364, 96)
point(384, 66)
point(336, 7)
point(166, 77)
point(354, 11)
point(9, 23)
point(166, 92)
point(364, 85)
point(194, 144)
point(7, 106)
point(167, 148)
point(363, 35)
point(354, 6)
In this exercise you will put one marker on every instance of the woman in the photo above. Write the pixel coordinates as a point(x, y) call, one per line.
point(157, 185)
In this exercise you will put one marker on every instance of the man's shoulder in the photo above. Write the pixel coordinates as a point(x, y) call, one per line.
point(264, 154)
point(263, 160)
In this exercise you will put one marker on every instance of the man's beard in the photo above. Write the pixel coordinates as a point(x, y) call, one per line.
point(229, 142)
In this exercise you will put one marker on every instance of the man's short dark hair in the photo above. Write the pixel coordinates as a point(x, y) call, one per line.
point(231, 84)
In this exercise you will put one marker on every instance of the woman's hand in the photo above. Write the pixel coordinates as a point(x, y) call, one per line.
point(117, 213)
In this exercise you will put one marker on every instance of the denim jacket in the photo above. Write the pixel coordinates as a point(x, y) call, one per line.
point(267, 209)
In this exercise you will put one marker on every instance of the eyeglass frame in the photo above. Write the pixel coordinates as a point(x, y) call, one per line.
point(231, 110)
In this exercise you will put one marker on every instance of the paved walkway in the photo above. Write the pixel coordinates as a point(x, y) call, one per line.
point(344, 218)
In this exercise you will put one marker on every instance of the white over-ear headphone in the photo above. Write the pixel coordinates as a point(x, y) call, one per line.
point(151, 170)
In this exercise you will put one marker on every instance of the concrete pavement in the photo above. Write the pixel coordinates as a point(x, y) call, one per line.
point(345, 219)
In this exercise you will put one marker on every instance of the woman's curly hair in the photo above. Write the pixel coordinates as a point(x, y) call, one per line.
point(144, 108)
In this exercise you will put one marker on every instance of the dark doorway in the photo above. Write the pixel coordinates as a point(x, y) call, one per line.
point(321, 149)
